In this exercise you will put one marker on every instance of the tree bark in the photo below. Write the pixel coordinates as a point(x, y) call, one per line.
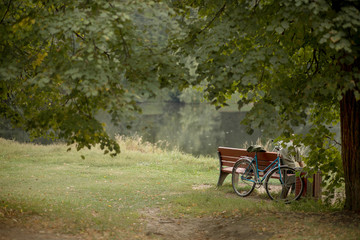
point(350, 151)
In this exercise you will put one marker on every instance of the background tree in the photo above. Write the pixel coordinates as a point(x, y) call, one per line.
point(297, 61)
point(63, 61)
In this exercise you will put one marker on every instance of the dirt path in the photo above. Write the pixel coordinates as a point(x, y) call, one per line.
point(259, 226)
point(201, 228)
point(157, 226)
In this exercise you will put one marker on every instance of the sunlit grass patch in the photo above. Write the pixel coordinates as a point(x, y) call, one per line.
point(98, 191)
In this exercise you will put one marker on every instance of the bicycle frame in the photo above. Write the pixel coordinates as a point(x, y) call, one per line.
point(272, 165)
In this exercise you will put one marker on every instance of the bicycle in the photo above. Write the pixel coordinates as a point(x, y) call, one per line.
point(281, 182)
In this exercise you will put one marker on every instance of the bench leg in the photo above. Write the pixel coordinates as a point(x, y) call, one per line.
point(222, 178)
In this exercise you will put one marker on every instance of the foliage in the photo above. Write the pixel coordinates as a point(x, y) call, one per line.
point(293, 59)
point(63, 61)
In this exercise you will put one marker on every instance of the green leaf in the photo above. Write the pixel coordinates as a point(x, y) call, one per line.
point(279, 29)
point(285, 24)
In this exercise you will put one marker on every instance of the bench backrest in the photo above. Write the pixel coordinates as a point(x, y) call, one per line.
point(228, 156)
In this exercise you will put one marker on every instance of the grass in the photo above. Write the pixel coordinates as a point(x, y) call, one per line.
point(109, 195)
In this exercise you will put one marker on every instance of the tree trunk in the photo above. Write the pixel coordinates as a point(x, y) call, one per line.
point(350, 151)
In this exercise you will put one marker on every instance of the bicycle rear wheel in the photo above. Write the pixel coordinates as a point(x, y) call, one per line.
point(243, 177)
point(284, 184)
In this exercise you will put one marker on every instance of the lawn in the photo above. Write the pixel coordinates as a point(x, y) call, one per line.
point(146, 193)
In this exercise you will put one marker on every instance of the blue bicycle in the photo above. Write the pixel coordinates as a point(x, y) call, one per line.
point(281, 182)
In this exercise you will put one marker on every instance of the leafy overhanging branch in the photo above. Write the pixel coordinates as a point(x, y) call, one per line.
point(65, 56)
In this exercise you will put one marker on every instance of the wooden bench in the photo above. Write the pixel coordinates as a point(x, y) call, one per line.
point(229, 156)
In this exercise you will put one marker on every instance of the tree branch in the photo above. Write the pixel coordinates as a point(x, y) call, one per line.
point(336, 142)
point(212, 20)
point(7, 10)
point(126, 47)
point(79, 36)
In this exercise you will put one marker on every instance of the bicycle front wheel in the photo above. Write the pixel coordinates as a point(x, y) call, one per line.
point(243, 177)
point(284, 184)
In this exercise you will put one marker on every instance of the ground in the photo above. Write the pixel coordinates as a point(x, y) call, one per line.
point(16, 232)
point(158, 226)
point(201, 228)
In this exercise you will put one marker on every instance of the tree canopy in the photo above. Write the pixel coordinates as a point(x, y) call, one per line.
point(297, 61)
point(64, 61)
